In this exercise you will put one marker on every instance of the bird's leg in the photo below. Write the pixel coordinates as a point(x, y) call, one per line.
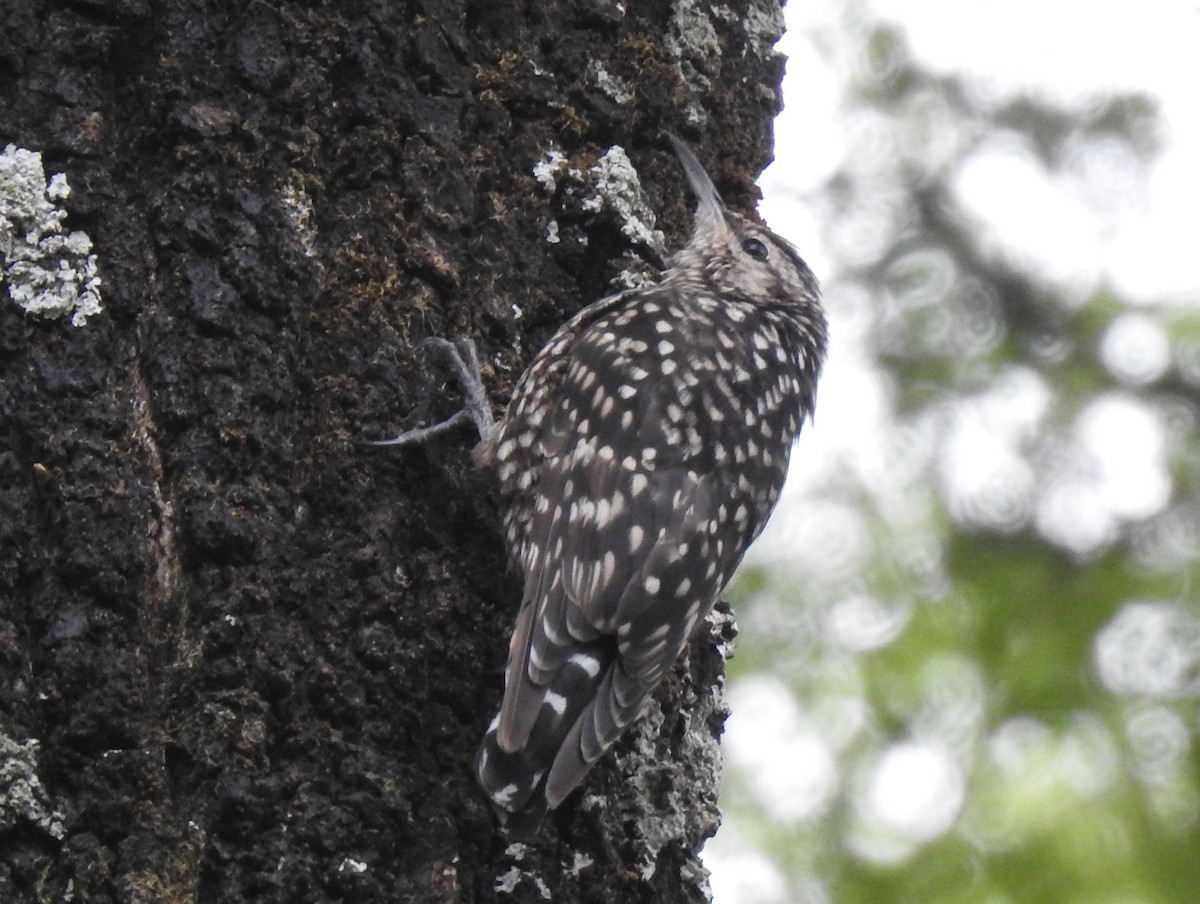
point(462, 355)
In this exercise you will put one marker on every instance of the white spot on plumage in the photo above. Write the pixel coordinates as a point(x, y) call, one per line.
point(651, 584)
point(655, 650)
point(603, 512)
point(556, 702)
point(617, 504)
point(536, 657)
point(505, 795)
point(658, 633)
point(589, 664)
point(636, 537)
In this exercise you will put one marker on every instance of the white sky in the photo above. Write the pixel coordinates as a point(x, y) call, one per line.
point(1141, 242)
point(1067, 50)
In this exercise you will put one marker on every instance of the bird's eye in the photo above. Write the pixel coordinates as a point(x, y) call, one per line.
point(756, 249)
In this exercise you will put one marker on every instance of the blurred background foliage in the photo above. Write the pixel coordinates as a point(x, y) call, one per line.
point(970, 655)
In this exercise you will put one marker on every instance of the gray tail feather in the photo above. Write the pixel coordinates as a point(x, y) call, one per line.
point(515, 781)
point(508, 779)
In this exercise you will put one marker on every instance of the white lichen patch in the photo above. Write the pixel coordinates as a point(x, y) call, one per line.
point(507, 882)
point(23, 798)
point(763, 24)
point(694, 42)
point(49, 271)
point(298, 208)
point(579, 863)
point(638, 275)
point(692, 35)
point(610, 185)
point(548, 170)
point(615, 87)
point(618, 188)
point(722, 625)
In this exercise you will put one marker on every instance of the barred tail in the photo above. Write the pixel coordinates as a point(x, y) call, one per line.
point(577, 720)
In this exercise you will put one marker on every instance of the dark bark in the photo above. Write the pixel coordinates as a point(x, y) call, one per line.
point(256, 653)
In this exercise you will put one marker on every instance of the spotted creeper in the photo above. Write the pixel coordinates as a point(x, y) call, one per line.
point(641, 454)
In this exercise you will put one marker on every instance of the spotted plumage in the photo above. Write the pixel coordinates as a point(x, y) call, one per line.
point(641, 454)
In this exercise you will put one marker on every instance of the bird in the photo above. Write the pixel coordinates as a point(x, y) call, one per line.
point(641, 453)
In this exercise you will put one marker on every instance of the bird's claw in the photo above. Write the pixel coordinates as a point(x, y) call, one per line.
point(465, 359)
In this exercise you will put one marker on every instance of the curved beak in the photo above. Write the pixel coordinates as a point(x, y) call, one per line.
point(710, 211)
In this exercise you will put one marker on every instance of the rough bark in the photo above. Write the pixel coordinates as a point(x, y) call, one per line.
point(256, 656)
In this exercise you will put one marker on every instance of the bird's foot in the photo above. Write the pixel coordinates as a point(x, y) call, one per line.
point(476, 409)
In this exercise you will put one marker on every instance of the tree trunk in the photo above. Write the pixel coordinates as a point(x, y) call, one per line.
point(246, 656)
